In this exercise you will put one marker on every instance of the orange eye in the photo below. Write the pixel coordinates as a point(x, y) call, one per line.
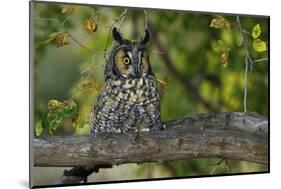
point(126, 60)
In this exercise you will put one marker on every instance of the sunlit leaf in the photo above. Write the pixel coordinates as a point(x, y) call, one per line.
point(51, 131)
point(259, 45)
point(163, 83)
point(81, 124)
point(69, 109)
point(54, 118)
point(224, 58)
point(78, 122)
point(256, 31)
point(220, 46)
point(54, 104)
point(58, 38)
point(67, 8)
point(38, 128)
point(90, 25)
point(88, 85)
point(220, 22)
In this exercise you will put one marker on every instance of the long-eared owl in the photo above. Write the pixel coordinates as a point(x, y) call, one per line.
point(129, 100)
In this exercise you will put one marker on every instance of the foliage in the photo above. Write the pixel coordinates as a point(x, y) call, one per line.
point(204, 48)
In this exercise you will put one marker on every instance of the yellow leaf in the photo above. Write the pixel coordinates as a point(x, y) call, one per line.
point(90, 25)
point(54, 104)
point(256, 31)
point(59, 39)
point(220, 22)
point(88, 85)
point(259, 45)
point(51, 131)
point(67, 8)
point(224, 59)
point(38, 128)
point(162, 82)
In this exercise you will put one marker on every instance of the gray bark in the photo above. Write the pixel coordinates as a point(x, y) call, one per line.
point(231, 135)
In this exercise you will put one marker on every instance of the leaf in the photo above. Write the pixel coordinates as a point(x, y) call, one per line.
point(256, 31)
point(91, 26)
point(88, 85)
point(161, 80)
point(77, 122)
point(69, 109)
point(220, 46)
point(219, 23)
point(58, 38)
point(259, 45)
point(54, 104)
point(224, 59)
point(38, 128)
point(54, 118)
point(67, 9)
point(81, 124)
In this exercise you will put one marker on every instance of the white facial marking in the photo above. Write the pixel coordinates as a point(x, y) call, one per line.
point(130, 55)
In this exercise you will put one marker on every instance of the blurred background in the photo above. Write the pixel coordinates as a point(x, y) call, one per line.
point(198, 59)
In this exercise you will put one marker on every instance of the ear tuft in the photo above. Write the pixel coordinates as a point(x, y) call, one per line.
point(145, 38)
point(117, 36)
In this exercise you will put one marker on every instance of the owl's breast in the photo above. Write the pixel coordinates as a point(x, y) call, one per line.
point(134, 90)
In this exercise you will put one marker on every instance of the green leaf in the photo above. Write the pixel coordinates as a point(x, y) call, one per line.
point(256, 31)
point(54, 118)
point(69, 109)
point(259, 45)
point(38, 128)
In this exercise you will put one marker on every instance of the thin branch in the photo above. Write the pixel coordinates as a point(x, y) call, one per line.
point(245, 84)
point(78, 43)
point(50, 19)
point(145, 19)
point(120, 20)
point(61, 25)
point(248, 60)
point(261, 60)
point(68, 17)
point(216, 166)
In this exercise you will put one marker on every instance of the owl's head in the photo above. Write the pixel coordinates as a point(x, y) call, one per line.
point(128, 59)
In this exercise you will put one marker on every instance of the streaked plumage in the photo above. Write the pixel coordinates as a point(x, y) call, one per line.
point(129, 100)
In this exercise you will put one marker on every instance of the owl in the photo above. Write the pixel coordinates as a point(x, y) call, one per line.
point(129, 100)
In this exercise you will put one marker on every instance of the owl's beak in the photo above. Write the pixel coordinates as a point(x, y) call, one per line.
point(133, 70)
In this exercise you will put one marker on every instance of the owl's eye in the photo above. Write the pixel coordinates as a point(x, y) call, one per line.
point(126, 60)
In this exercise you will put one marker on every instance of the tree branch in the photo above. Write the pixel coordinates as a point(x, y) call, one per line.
point(241, 136)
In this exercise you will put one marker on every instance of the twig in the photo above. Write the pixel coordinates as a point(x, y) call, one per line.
point(260, 60)
point(120, 20)
point(216, 166)
point(245, 84)
point(68, 17)
point(248, 60)
point(49, 19)
point(145, 18)
point(61, 25)
point(78, 43)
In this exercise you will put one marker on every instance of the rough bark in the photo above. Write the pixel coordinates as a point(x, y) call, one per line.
point(241, 136)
